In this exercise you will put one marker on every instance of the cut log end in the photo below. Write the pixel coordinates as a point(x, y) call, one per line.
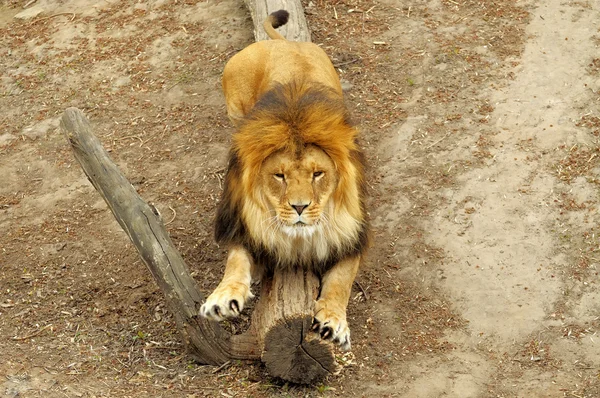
point(294, 353)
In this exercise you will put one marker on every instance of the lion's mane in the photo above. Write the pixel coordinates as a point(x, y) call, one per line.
point(288, 118)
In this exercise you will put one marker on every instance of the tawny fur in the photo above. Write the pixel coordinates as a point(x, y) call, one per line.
point(294, 192)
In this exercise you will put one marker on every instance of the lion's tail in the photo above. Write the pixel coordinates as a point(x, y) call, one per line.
point(273, 21)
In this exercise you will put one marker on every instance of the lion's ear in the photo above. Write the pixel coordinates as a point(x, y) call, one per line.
point(229, 227)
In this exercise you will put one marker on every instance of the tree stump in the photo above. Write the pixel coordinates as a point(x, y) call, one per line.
point(282, 320)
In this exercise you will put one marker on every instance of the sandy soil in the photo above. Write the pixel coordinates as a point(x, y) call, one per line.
point(481, 124)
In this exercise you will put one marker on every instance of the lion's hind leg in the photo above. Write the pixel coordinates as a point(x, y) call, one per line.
point(330, 309)
point(230, 297)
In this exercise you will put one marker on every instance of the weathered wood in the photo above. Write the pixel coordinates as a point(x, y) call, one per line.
point(295, 30)
point(205, 340)
point(282, 320)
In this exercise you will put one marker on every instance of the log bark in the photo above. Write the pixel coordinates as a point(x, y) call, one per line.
point(282, 320)
point(206, 341)
point(295, 30)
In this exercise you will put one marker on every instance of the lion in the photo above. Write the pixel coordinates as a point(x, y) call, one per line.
point(294, 190)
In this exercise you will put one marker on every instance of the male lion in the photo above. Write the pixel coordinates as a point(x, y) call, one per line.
point(294, 190)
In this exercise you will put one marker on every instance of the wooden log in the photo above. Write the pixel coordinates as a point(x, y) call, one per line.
point(206, 341)
point(295, 30)
point(282, 320)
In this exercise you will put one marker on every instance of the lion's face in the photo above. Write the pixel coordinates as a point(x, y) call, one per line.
point(297, 190)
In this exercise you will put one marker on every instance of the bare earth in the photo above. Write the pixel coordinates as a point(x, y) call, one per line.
point(481, 124)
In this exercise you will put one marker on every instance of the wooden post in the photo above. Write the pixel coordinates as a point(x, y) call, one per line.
point(282, 320)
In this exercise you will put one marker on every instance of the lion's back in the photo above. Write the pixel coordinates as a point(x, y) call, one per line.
point(256, 69)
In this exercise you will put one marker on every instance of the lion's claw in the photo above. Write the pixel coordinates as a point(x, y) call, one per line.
point(331, 326)
point(216, 310)
point(235, 307)
point(226, 302)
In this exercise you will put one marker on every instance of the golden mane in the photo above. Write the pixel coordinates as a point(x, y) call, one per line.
point(289, 118)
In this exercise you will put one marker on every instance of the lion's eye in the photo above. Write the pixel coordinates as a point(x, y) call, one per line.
point(317, 174)
point(279, 176)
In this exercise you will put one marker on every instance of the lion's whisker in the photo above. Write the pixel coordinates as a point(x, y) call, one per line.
point(275, 226)
point(269, 219)
point(329, 227)
point(272, 225)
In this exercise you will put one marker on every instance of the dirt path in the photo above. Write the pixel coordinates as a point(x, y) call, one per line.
point(508, 267)
point(481, 124)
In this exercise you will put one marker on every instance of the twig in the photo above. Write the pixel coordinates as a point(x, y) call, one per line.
point(159, 366)
point(438, 141)
point(148, 140)
point(130, 136)
point(174, 215)
point(364, 292)
point(32, 334)
point(346, 62)
point(363, 22)
point(220, 368)
point(218, 175)
point(55, 15)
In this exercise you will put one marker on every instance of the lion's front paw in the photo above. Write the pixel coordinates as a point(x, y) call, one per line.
point(330, 323)
point(226, 301)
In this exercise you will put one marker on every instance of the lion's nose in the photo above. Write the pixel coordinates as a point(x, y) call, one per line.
point(299, 208)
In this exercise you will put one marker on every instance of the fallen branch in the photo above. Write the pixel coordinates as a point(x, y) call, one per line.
point(206, 341)
point(36, 333)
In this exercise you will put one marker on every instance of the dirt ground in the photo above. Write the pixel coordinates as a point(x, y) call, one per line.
point(480, 120)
